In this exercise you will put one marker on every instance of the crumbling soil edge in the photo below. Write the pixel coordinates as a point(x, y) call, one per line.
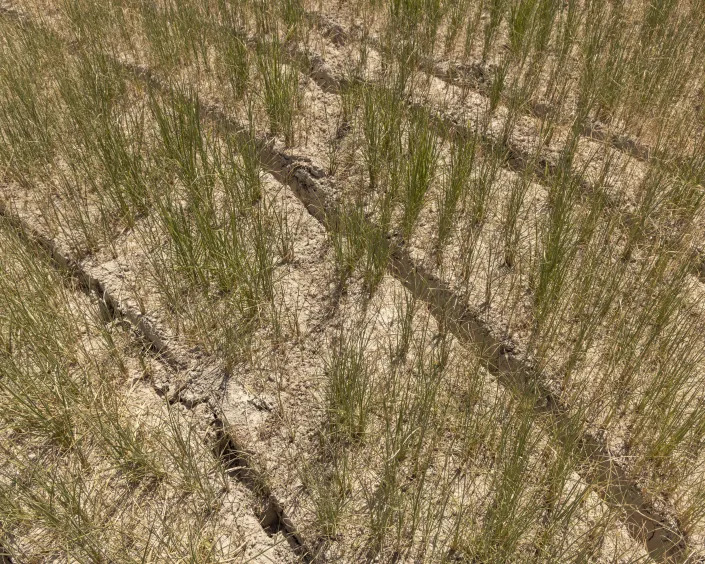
point(236, 460)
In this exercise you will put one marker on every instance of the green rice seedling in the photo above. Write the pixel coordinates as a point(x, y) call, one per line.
point(544, 19)
point(381, 126)
point(420, 171)
point(223, 235)
point(471, 28)
point(232, 15)
point(641, 329)
point(260, 270)
point(383, 509)
point(349, 389)
point(419, 383)
point(426, 418)
point(186, 257)
point(530, 25)
point(29, 119)
point(233, 61)
point(657, 322)
point(280, 90)
point(192, 30)
point(664, 57)
point(159, 35)
point(519, 20)
point(285, 233)
point(405, 309)
point(690, 506)
point(377, 253)
point(45, 408)
point(477, 422)
point(670, 402)
point(175, 32)
point(481, 186)
point(330, 487)
point(266, 16)
point(470, 234)
point(558, 247)
point(511, 228)
point(496, 15)
point(455, 187)
point(433, 12)
point(122, 145)
point(125, 442)
point(348, 239)
point(508, 512)
point(604, 68)
point(95, 85)
point(418, 20)
point(498, 83)
point(650, 194)
point(81, 226)
point(242, 183)
point(109, 141)
point(41, 397)
point(183, 143)
point(595, 292)
point(565, 36)
point(293, 14)
point(198, 472)
point(90, 22)
point(457, 11)
point(397, 396)
point(65, 507)
point(374, 137)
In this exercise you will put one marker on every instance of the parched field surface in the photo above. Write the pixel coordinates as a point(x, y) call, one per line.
point(380, 280)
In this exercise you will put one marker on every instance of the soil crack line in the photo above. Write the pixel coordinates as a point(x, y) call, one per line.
point(238, 462)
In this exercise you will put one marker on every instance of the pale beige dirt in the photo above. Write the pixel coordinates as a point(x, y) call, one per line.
point(276, 400)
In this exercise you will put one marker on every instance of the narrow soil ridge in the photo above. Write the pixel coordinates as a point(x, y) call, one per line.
point(238, 462)
point(240, 465)
point(477, 76)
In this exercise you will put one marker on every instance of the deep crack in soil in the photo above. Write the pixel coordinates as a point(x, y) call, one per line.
point(235, 460)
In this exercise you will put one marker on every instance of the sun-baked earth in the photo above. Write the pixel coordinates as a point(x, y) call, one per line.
point(311, 281)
